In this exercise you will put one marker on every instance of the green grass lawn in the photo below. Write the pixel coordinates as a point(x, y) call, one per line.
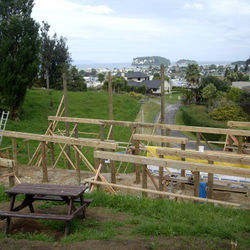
point(175, 97)
point(39, 104)
point(144, 219)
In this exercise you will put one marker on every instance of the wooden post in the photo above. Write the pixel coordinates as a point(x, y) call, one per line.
point(102, 139)
point(144, 179)
point(163, 119)
point(133, 130)
point(210, 183)
point(161, 175)
point(196, 183)
point(137, 166)
point(113, 170)
point(198, 140)
point(44, 162)
point(66, 112)
point(110, 104)
point(240, 143)
point(78, 173)
point(97, 163)
point(28, 149)
point(14, 155)
point(11, 178)
point(52, 150)
point(183, 172)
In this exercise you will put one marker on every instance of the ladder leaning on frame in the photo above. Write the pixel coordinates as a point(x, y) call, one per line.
point(3, 123)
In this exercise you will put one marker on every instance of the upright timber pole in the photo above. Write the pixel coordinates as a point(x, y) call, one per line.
point(66, 114)
point(162, 122)
point(110, 104)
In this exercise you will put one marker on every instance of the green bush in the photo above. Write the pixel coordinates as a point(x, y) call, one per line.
point(234, 94)
point(195, 115)
point(229, 112)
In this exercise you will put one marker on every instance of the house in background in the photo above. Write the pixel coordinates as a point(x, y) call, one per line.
point(134, 76)
point(152, 86)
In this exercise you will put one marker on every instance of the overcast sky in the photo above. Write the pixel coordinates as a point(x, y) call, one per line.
point(119, 30)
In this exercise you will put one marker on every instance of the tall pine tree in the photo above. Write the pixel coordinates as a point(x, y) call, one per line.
point(19, 53)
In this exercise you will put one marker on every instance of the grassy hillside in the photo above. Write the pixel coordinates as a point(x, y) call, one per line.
point(39, 104)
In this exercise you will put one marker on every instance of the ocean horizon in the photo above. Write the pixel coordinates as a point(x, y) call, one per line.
point(129, 65)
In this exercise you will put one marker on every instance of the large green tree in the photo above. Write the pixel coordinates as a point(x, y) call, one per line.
point(55, 58)
point(19, 53)
point(193, 75)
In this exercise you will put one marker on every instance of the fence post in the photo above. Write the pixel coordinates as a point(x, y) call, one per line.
point(14, 155)
point(44, 162)
point(78, 173)
point(12, 177)
point(144, 180)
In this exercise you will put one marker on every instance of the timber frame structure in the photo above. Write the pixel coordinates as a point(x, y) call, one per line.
point(109, 149)
point(136, 148)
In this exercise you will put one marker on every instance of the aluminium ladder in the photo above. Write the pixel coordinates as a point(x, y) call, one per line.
point(3, 123)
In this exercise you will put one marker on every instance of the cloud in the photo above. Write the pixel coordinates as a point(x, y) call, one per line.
point(68, 6)
point(193, 6)
point(230, 7)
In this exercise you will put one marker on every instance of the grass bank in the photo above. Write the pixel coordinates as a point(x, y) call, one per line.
point(196, 115)
point(39, 104)
point(131, 217)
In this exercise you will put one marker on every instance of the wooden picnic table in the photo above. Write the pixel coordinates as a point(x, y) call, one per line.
point(68, 194)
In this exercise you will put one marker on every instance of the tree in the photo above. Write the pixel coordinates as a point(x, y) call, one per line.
point(19, 53)
point(76, 81)
point(218, 83)
point(247, 63)
point(209, 93)
point(101, 77)
point(47, 51)
point(193, 75)
point(157, 76)
point(55, 58)
point(118, 84)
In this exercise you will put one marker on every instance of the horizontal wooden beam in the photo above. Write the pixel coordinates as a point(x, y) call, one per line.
point(6, 162)
point(158, 138)
point(207, 155)
point(143, 160)
point(238, 124)
point(193, 198)
point(62, 139)
point(222, 131)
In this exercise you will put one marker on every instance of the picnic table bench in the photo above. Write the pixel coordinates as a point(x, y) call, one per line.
point(49, 192)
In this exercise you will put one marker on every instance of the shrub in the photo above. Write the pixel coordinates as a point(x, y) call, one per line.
point(136, 95)
point(229, 112)
point(234, 94)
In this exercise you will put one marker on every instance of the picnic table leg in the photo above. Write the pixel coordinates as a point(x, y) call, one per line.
point(8, 221)
point(26, 202)
point(66, 232)
point(83, 210)
point(67, 223)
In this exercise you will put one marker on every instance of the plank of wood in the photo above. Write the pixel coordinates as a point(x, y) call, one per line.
point(47, 189)
point(62, 139)
point(157, 138)
point(165, 193)
point(207, 168)
point(5, 214)
point(238, 124)
point(154, 125)
point(207, 155)
point(6, 162)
